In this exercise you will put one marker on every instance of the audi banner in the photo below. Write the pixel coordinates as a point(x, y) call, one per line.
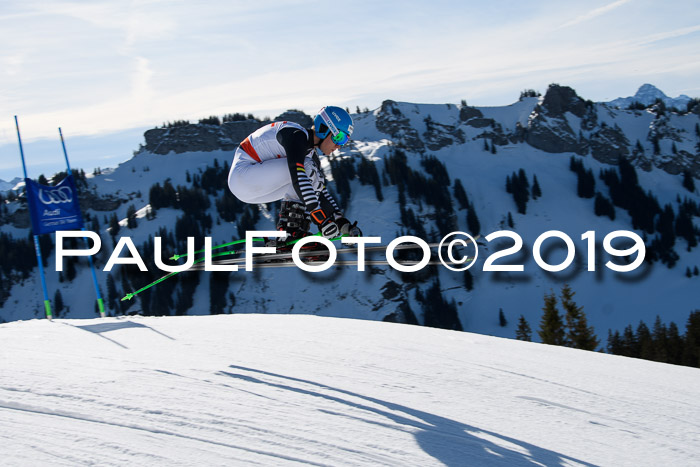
point(54, 207)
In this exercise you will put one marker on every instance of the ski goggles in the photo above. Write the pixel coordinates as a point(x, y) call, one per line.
point(340, 138)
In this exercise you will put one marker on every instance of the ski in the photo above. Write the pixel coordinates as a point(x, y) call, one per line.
point(369, 262)
point(280, 260)
point(268, 257)
point(303, 253)
point(198, 261)
point(175, 257)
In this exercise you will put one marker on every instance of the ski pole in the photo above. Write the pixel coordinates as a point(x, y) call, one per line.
point(236, 242)
point(131, 295)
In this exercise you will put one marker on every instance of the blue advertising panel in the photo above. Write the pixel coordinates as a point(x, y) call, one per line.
point(54, 208)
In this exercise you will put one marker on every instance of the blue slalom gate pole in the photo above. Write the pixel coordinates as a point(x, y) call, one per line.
point(100, 302)
point(47, 304)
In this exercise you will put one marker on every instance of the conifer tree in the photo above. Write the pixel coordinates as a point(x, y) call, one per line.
point(58, 303)
point(522, 177)
point(218, 284)
point(675, 345)
point(645, 341)
point(691, 352)
point(519, 187)
point(460, 194)
point(630, 345)
point(114, 225)
point(551, 325)
point(473, 223)
point(688, 181)
point(112, 294)
point(71, 271)
point(684, 226)
point(524, 332)
point(468, 280)
point(438, 312)
point(124, 305)
point(536, 190)
point(660, 341)
point(603, 206)
point(502, 321)
point(579, 335)
point(615, 345)
point(95, 224)
point(131, 217)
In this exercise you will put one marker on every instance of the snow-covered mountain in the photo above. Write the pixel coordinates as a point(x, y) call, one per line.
point(6, 186)
point(480, 146)
point(647, 95)
point(289, 390)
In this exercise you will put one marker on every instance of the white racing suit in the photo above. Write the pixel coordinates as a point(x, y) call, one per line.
point(278, 162)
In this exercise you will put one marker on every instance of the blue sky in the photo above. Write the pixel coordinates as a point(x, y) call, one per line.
point(106, 70)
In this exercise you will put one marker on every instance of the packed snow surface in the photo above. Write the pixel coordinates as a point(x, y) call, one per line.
point(296, 389)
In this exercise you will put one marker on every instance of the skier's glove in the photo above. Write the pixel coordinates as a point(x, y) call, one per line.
point(329, 229)
point(326, 225)
point(348, 229)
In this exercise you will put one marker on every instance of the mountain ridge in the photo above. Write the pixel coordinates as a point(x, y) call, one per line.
point(185, 136)
point(482, 147)
point(668, 143)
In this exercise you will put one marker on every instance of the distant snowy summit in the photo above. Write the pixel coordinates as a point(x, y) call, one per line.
point(6, 186)
point(647, 95)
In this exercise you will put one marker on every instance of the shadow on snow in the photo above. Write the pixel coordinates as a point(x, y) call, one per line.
point(449, 441)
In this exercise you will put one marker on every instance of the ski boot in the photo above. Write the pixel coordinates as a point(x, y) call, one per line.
point(294, 219)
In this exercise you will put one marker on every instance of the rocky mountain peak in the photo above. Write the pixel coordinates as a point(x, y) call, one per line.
point(647, 95)
point(649, 91)
point(561, 99)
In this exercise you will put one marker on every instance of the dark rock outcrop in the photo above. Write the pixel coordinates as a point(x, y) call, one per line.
point(392, 122)
point(608, 144)
point(438, 135)
point(549, 129)
point(467, 113)
point(553, 135)
point(561, 99)
point(210, 137)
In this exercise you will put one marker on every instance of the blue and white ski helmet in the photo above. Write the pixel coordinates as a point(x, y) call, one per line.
point(334, 120)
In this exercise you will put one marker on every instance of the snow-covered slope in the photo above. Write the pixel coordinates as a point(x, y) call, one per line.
point(284, 390)
point(5, 186)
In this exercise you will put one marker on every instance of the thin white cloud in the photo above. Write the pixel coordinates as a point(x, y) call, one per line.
point(594, 13)
point(112, 64)
point(669, 35)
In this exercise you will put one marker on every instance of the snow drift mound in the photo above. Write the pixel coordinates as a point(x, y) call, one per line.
point(243, 389)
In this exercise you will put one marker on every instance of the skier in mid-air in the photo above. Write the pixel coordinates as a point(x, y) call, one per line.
point(280, 161)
